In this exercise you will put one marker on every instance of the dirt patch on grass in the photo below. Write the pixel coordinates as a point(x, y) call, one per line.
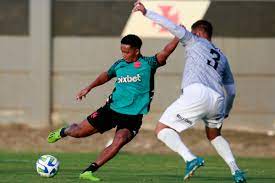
point(19, 138)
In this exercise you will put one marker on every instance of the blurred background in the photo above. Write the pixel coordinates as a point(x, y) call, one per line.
point(51, 49)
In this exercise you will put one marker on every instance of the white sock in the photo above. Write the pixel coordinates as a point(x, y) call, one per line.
point(174, 142)
point(223, 149)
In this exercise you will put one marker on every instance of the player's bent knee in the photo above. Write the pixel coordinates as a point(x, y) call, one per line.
point(159, 127)
point(156, 132)
point(211, 137)
point(212, 133)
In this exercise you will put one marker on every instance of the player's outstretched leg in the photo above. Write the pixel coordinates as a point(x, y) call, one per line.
point(192, 166)
point(56, 135)
point(239, 176)
point(82, 129)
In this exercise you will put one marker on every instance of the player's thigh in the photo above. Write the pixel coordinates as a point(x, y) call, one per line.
point(130, 122)
point(85, 128)
point(102, 119)
point(215, 119)
point(184, 113)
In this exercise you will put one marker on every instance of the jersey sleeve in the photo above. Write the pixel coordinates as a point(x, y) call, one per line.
point(152, 61)
point(188, 38)
point(112, 70)
point(228, 76)
point(179, 31)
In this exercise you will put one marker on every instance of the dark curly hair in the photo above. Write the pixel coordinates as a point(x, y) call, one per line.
point(132, 40)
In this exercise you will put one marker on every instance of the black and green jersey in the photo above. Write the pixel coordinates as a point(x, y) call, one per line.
point(134, 85)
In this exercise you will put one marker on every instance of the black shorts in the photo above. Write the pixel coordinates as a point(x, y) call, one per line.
point(105, 119)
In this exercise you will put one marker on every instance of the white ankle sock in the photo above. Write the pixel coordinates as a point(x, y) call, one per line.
point(174, 142)
point(223, 149)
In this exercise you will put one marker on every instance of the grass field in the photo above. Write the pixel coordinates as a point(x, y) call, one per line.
point(129, 168)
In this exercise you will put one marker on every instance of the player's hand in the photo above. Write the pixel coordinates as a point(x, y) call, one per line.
point(182, 26)
point(139, 7)
point(82, 94)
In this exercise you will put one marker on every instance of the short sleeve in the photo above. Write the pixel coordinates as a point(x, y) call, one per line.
point(152, 61)
point(112, 70)
point(188, 38)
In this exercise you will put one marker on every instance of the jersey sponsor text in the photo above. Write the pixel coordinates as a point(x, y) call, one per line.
point(129, 79)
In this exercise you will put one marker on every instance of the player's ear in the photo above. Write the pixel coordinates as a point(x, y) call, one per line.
point(137, 51)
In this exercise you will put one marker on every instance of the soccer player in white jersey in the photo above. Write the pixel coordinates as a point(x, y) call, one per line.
point(206, 75)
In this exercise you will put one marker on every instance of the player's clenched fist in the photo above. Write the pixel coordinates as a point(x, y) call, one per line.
point(139, 7)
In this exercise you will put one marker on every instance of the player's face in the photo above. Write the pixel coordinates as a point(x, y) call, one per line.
point(128, 53)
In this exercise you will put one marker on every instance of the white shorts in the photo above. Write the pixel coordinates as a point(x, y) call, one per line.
point(197, 102)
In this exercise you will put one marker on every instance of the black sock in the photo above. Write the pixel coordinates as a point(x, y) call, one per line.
point(62, 132)
point(93, 167)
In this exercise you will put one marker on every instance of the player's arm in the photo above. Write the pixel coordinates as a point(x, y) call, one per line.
point(167, 50)
point(230, 88)
point(100, 80)
point(177, 30)
point(230, 96)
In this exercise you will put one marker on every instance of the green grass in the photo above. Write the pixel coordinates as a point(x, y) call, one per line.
point(129, 168)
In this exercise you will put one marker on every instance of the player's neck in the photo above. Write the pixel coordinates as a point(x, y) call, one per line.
point(133, 59)
point(137, 57)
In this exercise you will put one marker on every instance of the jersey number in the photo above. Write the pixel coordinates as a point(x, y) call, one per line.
point(216, 57)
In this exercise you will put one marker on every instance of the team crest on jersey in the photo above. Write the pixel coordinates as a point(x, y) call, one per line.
point(137, 64)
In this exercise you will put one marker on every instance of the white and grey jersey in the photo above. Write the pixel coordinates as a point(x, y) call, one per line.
point(205, 64)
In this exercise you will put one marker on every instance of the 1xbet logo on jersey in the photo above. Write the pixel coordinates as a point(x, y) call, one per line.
point(129, 79)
